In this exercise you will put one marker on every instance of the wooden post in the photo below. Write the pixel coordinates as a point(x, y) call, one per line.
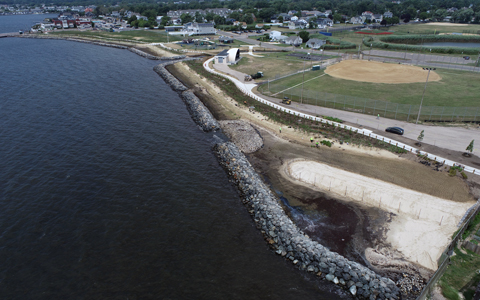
point(399, 206)
point(441, 221)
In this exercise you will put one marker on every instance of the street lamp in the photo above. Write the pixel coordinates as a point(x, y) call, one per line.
point(338, 54)
point(421, 102)
point(303, 80)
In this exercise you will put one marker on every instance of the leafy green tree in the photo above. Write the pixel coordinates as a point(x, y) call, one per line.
point(219, 20)
point(247, 19)
point(395, 20)
point(383, 22)
point(440, 14)
point(210, 17)
point(420, 137)
point(304, 35)
point(280, 19)
point(423, 16)
point(235, 15)
point(312, 24)
point(337, 17)
point(186, 18)
point(266, 14)
point(470, 147)
point(198, 17)
point(165, 21)
point(131, 19)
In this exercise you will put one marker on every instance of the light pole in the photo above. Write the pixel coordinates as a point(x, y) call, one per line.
point(338, 54)
point(421, 102)
point(303, 80)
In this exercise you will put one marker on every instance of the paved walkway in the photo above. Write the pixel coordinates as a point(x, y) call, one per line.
point(453, 138)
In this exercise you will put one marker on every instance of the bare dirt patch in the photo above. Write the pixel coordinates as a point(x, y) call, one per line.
point(421, 225)
point(377, 72)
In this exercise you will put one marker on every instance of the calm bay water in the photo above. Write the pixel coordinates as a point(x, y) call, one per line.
point(108, 190)
point(14, 23)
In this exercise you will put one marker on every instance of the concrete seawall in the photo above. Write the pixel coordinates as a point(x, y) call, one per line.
point(289, 241)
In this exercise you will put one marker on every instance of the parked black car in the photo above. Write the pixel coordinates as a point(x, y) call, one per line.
point(396, 130)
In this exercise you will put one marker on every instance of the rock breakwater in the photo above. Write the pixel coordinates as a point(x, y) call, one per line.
point(200, 114)
point(153, 57)
point(289, 241)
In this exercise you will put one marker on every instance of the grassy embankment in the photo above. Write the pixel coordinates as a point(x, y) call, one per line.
point(135, 36)
point(462, 275)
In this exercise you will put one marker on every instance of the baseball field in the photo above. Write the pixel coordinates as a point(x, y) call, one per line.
point(394, 83)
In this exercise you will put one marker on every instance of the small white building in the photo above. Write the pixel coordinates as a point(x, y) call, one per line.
point(274, 34)
point(200, 29)
point(228, 56)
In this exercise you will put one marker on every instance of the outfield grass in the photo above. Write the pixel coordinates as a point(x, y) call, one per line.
point(430, 29)
point(147, 36)
point(273, 64)
point(456, 89)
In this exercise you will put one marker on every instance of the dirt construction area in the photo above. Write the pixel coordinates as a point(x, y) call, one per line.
point(378, 72)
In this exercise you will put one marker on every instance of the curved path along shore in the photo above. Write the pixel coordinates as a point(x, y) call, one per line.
point(246, 88)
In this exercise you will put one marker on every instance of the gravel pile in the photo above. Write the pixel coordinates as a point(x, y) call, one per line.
point(243, 135)
point(289, 241)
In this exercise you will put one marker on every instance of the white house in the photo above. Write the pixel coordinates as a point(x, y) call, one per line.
point(228, 56)
point(294, 40)
point(315, 43)
point(377, 18)
point(274, 34)
point(357, 20)
point(388, 14)
point(199, 28)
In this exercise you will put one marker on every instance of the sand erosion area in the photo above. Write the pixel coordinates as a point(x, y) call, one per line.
point(421, 226)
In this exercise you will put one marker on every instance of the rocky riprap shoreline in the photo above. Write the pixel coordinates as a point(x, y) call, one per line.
point(153, 57)
point(50, 37)
point(289, 241)
point(200, 114)
point(242, 134)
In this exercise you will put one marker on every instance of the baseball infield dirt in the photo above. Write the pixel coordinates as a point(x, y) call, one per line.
point(378, 72)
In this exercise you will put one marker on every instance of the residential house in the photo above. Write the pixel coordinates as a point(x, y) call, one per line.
point(324, 22)
point(328, 12)
point(238, 23)
point(294, 40)
point(452, 9)
point(292, 12)
point(388, 14)
point(274, 34)
point(115, 14)
point(280, 38)
point(377, 18)
point(199, 28)
point(357, 20)
point(315, 43)
point(296, 25)
point(259, 26)
point(294, 18)
point(367, 13)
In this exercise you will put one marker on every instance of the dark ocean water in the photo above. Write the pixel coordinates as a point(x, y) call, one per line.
point(108, 190)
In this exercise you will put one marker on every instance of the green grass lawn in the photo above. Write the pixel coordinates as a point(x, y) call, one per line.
point(456, 89)
point(429, 28)
point(273, 64)
point(461, 275)
point(148, 36)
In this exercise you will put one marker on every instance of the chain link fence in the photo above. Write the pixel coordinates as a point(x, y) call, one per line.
point(397, 111)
